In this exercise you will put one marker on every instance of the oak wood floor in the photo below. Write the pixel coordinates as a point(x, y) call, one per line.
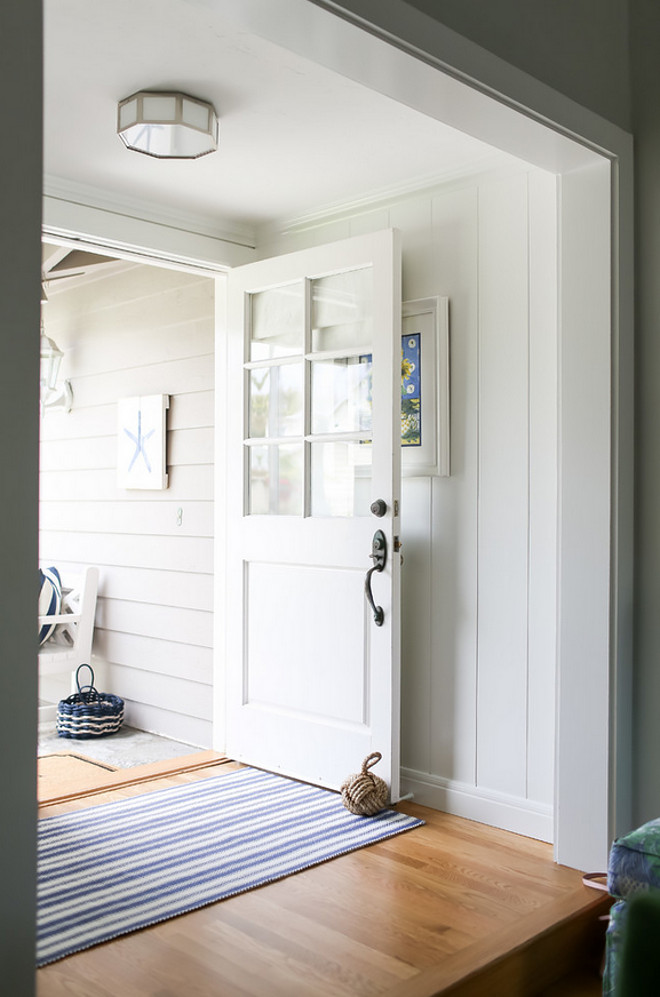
point(55, 785)
point(453, 907)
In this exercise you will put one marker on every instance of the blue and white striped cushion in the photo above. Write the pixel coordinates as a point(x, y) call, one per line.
point(50, 599)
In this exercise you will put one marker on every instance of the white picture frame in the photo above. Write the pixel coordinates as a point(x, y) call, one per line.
point(141, 442)
point(429, 318)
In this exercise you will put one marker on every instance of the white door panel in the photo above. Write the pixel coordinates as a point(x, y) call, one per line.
point(314, 439)
point(277, 596)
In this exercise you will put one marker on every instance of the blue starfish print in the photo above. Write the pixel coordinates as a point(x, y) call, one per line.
point(139, 442)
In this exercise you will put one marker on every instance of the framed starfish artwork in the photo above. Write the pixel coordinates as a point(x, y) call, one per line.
point(141, 440)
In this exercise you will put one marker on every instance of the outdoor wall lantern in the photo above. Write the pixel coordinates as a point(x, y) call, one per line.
point(52, 396)
point(167, 125)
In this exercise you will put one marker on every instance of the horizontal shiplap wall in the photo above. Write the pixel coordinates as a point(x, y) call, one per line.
point(478, 580)
point(140, 330)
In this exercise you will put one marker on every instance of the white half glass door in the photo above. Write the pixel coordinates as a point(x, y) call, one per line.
point(313, 440)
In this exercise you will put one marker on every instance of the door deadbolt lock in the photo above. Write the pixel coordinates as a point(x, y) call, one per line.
point(379, 508)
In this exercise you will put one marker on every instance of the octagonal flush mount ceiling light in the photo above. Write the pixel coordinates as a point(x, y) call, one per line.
point(167, 125)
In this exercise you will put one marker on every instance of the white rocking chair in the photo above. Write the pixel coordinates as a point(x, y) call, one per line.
point(64, 652)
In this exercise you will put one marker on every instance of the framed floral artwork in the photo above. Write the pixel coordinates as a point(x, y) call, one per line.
point(425, 440)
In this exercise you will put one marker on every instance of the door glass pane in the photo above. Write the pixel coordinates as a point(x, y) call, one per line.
point(342, 310)
point(341, 395)
point(277, 322)
point(341, 478)
point(275, 480)
point(276, 401)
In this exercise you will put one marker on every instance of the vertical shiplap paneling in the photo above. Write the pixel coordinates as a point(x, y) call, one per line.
point(543, 430)
point(413, 218)
point(271, 243)
point(454, 513)
point(477, 716)
point(417, 716)
point(140, 330)
point(503, 487)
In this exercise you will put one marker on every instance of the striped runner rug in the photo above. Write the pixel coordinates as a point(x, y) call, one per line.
point(108, 870)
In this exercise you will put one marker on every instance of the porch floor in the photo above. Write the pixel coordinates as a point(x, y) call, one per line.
point(125, 749)
point(453, 907)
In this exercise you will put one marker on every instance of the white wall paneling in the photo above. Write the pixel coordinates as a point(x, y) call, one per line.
point(190, 374)
point(585, 566)
point(184, 446)
point(190, 698)
point(171, 723)
point(503, 495)
point(138, 330)
point(171, 623)
point(138, 516)
point(183, 553)
point(454, 501)
point(543, 483)
point(186, 411)
point(94, 485)
point(416, 616)
point(479, 575)
point(165, 588)
point(155, 655)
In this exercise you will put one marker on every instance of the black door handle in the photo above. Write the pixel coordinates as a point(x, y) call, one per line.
point(379, 557)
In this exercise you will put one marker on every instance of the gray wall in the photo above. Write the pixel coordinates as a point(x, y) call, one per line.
point(645, 52)
point(20, 258)
point(578, 47)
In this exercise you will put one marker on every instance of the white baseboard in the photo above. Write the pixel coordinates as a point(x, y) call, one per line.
point(511, 813)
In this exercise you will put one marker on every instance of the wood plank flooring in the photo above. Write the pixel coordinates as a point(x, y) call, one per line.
point(53, 789)
point(453, 907)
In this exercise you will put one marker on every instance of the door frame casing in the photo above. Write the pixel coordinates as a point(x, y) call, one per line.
point(408, 56)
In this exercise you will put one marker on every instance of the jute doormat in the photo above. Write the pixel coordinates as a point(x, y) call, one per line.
point(68, 776)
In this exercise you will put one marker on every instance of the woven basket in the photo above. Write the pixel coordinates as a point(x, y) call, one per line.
point(88, 713)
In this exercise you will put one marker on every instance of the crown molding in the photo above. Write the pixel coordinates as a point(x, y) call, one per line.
point(487, 167)
point(105, 200)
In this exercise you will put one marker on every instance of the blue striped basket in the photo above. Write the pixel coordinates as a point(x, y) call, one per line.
point(88, 713)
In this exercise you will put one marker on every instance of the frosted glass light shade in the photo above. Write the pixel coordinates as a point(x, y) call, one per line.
point(50, 356)
point(167, 125)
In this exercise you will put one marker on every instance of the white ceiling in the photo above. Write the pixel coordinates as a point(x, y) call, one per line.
point(295, 138)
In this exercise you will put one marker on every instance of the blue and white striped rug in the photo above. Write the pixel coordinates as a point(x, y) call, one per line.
point(111, 869)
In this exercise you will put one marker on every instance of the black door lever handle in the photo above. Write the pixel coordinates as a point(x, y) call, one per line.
point(379, 557)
